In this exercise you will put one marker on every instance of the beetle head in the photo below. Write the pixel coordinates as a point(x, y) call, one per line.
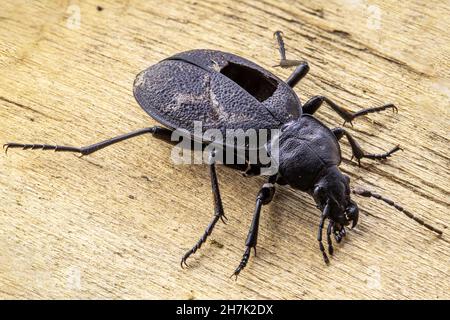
point(332, 189)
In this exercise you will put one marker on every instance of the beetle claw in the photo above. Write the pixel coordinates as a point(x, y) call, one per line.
point(235, 275)
point(185, 257)
point(325, 259)
point(277, 33)
point(5, 147)
point(223, 218)
point(345, 122)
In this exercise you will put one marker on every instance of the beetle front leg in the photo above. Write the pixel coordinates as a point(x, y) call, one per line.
point(218, 211)
point(330, 243)
point(357, 151)
point(315, 102)
point(265, 196)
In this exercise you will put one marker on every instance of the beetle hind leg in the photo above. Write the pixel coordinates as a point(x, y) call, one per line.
point(218, 214)
point(34, 146)
point(157, 132)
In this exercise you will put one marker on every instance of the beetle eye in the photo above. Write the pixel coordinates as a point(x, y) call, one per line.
point(251, 80)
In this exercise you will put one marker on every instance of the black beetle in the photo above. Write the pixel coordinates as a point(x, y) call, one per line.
point(226, 91)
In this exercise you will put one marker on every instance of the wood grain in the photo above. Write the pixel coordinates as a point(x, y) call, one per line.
point(115, 224)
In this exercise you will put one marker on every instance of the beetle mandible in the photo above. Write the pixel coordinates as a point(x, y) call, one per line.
point(239, 94)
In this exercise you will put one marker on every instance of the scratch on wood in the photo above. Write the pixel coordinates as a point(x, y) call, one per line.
point(20, 105)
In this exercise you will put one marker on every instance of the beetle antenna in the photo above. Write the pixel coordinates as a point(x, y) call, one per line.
point(368, 194)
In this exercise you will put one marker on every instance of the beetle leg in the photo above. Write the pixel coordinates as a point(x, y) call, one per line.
point(265, 195)
point(319, 238)
point(339, 234)
point(284, 63)
point(158, 132)
point(343, 233)
point(298, 74)
point(315, 102)
point(279, 35)
point(357, 151)
point(330, 243)
point(302, 66)
point(218, 213)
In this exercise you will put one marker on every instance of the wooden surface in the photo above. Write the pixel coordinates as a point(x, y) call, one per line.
point(115, 224)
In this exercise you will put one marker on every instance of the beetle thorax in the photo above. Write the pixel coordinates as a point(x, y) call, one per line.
point(306, 149)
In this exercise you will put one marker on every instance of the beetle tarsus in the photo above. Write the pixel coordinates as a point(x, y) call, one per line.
point(366, 111)
point(36, 146)
point(218, 209)
point(380, 156)
point(243, 263)
point(345, 122)
point(202, 239)
point(357, 152)
point(223, 218)
point(375, 109)
point(324, 254)
point(184, 263)
point(339, 234)
point(319, 233)
point(311, 106)
point(330, 243)
point(279, 36)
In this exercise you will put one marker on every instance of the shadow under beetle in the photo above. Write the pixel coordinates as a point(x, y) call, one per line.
point(230, 92)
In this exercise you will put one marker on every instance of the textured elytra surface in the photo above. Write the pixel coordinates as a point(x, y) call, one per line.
point(116, 223)
point(192, 86)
